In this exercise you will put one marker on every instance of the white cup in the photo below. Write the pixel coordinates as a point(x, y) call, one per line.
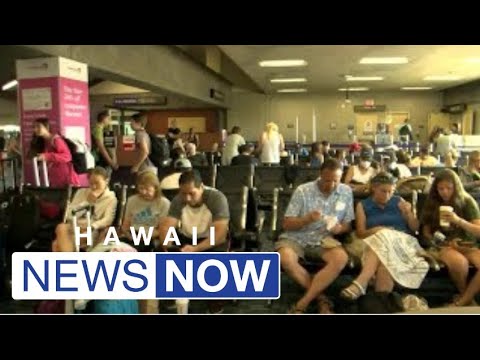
point(182, 306)
point(444, 209)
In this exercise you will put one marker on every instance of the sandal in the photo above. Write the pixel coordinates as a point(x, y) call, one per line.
point(295, 310)
point(353, 291)
point(325, 305)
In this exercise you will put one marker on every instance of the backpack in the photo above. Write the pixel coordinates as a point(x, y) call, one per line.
point(82, 158)
point(160, 151)
point(380, 303)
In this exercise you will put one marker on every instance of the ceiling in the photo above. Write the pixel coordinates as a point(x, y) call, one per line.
point(327, 65)
point(100, 85)
point(10, 53)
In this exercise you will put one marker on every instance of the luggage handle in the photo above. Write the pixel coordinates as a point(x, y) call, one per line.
point(37, 173)
point(89, 220)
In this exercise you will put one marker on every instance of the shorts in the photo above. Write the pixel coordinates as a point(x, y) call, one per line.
point(313, 252)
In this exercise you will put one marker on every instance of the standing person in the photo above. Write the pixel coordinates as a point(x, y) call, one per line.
point(57, 155)
point(143, 145)
point(406, 130)
point(193, 138)
point(105, 154)
point(271, 144)
point(444, 143)
point(233, 142)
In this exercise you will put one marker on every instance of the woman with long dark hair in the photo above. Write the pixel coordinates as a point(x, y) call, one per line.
point(451, 211)
point(54, 150)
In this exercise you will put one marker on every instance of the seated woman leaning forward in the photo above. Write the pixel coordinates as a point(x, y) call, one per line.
point(391, 254)
point(104, 204)
point(452, 214)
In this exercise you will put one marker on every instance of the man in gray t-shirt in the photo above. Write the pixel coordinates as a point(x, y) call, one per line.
point(143, 145)
point(200, 206)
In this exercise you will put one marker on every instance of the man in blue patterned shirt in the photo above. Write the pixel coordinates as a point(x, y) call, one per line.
point(317, 211)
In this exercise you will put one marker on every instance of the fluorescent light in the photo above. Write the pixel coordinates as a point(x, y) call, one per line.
point(473, 60)
point(416, 88)
point(291, 90)
point(288, 80)
point(282, 63)
point(354, 89)
point(442, 78)
point(384, 60)
point(9, 85)
point(363, 78)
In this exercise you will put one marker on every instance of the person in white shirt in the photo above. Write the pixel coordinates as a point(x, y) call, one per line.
point(232, 143)
point(270, 145)
point(358, 176)
point(445, 143)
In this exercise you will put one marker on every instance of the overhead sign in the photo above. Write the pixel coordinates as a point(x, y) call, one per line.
point(135, 101)
point(374, 108)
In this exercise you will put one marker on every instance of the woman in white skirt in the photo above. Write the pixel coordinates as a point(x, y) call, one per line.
point(391, 253)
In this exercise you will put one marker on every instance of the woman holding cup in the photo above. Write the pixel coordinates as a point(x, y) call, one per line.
point(450, 210)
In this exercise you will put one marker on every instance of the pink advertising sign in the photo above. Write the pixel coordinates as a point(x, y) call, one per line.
point(55, 88)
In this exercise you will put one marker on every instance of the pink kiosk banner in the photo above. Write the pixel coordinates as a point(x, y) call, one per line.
point(55, 88)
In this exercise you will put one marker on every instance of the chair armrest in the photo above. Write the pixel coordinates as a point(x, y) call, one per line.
point(260, 221)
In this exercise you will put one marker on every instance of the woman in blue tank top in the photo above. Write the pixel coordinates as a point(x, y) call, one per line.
point(386, 224)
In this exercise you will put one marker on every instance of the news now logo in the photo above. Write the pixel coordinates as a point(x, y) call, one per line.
point(117, 275)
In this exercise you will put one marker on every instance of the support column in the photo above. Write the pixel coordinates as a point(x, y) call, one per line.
point(55, 88)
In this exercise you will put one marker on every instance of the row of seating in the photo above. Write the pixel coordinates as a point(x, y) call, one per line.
point(40, 235)
point(436, 285)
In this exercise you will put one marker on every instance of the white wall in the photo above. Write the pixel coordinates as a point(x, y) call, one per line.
point(251, 111)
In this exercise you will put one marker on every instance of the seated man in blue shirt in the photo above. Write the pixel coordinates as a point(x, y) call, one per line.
point(317, 211)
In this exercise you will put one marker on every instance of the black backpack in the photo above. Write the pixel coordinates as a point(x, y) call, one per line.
point(82, 158)
point(380, 303)
point(160, 151)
